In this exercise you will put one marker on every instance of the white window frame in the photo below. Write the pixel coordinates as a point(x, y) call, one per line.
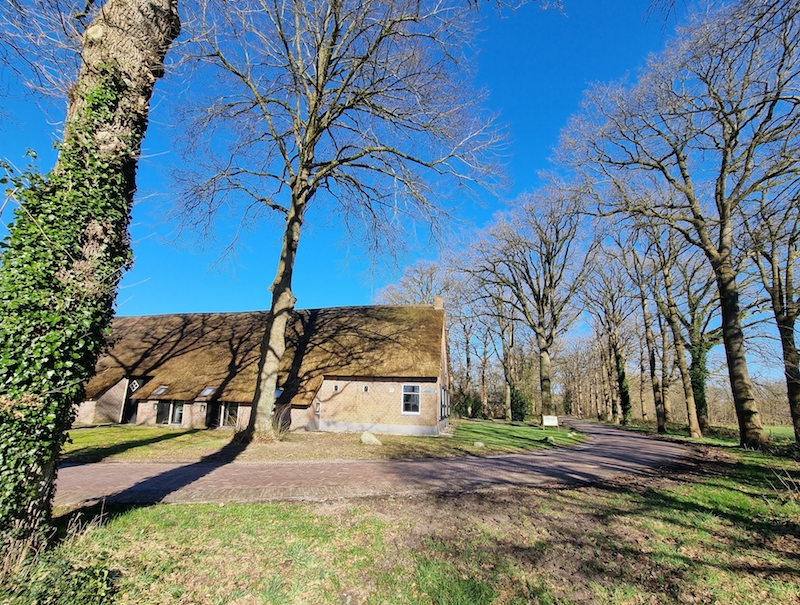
point(171, 410)
point(418, 393)
point(225, 413)
point(176, 408)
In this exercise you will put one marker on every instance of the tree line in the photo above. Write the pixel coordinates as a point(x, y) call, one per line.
point(673, 215)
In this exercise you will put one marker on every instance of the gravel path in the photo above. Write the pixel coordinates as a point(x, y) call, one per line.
point(607, 452)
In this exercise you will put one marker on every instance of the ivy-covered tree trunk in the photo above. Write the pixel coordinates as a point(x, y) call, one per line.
point(66, 250)
point(698, 371)
point(625, 409)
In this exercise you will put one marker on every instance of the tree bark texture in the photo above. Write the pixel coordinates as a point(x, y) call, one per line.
point(698, 370)
point(655, 383)
point(791, 360)
point(544, 381)
point(751, 433)
point(680, 353)
point(69, 245)
point(273, 343)
point(623, 411)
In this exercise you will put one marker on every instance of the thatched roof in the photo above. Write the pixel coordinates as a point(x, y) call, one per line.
point(190, 352)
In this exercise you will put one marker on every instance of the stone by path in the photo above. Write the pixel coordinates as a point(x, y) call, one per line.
point(607, 452)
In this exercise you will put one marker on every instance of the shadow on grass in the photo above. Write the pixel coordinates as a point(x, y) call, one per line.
point(690, 540)
point(99, 453)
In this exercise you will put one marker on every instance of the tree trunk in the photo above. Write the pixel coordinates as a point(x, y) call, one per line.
point(680, 357)
point(544, 381)
point(467, 391)
point(484, 391)
point(68, 247)
point(791, 370)
point(606, 385)
point(751, 433)
point(642, 372)
point(623, 412)
point(665, 381)
point(699, 372)
point(655, 383)
point(273, 343)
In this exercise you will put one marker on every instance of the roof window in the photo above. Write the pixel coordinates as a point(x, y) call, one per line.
point(207, 391)
point(161, 390)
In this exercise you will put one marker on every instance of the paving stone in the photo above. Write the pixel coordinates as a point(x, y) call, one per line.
point(607, 452)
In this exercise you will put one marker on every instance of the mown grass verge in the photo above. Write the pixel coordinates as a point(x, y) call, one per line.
point(158, 444)
point(781, 438)
point(724, 528)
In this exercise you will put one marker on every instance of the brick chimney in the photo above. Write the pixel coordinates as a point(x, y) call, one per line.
point(438, 302)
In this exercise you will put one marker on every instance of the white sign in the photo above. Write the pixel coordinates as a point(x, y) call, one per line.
point(550, 421)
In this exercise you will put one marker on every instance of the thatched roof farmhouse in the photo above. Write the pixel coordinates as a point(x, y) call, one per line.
point(379, 368)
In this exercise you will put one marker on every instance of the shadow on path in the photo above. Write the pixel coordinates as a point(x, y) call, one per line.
point(607, 453)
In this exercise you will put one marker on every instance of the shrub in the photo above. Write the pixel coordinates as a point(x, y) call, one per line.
point(520, 405)
point(466, 405)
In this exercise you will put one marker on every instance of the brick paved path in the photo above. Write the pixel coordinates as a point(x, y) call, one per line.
point(607, 452)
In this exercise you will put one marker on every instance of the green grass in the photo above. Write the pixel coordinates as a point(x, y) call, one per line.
point(724, 531)
point(780, 437)
point(150, 444)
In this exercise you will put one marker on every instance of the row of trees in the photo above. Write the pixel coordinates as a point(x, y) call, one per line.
point(682, 210)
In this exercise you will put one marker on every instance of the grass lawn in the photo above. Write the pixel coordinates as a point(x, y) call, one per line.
point(780, 437)
point(153, 444)
point(723, 528)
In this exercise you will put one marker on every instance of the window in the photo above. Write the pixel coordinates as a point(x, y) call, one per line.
point(410, 399)
point(207, 391)
point(177, 414)
point(161, 390)
point(169, 412)
point(230, 414)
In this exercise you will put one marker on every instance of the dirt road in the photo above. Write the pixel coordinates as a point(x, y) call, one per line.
point(607, 452)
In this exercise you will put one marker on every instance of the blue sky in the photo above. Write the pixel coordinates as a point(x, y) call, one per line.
point(535, 65)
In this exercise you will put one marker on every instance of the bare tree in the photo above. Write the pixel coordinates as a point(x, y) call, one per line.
point(68, 245)
point(639, 268)
point(607, 297)
point(700, 318)
point(539, 257)
point(419, 285)
point(667, 253)
point(358, 104)
point(772, 226)
point(715, 118)
point(500, 317)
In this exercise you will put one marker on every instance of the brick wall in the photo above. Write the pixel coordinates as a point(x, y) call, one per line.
point(194, 415)
point(346, 401)
point(109, 404)
point(85, 413)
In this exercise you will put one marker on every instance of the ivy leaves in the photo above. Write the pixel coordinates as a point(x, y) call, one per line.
point(61, 264)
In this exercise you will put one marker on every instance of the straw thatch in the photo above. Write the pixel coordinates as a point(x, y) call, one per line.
point(190, 352)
